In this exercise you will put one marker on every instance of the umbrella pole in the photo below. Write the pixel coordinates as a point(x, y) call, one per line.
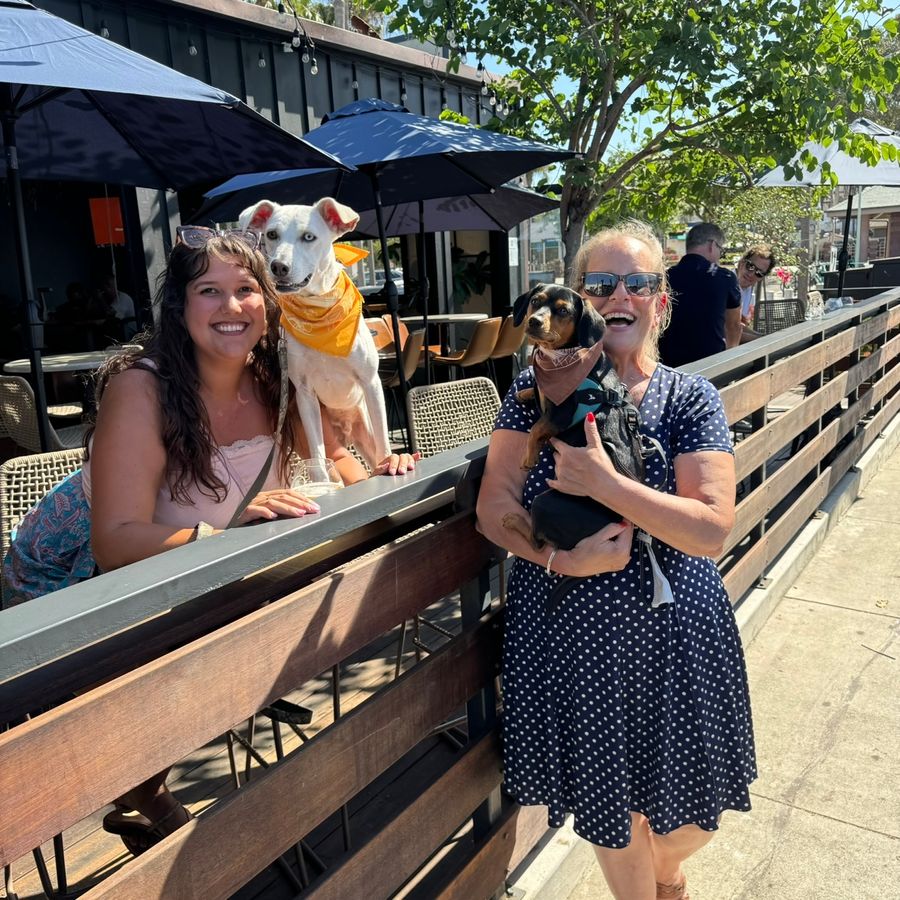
point(424, 289)
point(24, 263)
point(843, 256)
point(393, 304)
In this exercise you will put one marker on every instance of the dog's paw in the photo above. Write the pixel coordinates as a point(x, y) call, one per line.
point(511, 521)
point(525, 396)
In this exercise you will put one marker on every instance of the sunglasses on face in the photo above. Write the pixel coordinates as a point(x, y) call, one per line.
point(604, 284)
point(753, 269)
point(197, 236)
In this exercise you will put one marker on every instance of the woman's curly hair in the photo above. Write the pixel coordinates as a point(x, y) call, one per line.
point(168, 352)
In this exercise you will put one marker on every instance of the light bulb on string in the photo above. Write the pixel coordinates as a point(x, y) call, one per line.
point(192, 49)
point(304, 57)
point(492, 100)
point(479, 70)
point(314, 68)
point(354, 84)
point(261, 62)
point(281, 8)
point(427, 3)
point(296, 38)
point(484, 89)
point(451, 37)
point(104, 31)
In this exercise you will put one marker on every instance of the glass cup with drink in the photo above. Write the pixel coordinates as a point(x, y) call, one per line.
point(314, 477)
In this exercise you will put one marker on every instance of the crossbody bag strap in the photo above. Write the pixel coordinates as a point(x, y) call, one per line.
point(260, 479)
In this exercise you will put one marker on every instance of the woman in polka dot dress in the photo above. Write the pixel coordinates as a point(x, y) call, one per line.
point(634, 717)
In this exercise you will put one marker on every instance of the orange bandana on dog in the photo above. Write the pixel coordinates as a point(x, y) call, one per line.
point(331, 329)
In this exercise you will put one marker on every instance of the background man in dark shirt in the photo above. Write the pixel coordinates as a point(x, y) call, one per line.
point(706, 301)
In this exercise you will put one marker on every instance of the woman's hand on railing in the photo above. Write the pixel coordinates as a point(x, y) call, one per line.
point(397, 464)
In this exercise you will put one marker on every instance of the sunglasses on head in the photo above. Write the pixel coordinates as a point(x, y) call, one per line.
point(197, 236)
point(753, 269)
point(604, 284)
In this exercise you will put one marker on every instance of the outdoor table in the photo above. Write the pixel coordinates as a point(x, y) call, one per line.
point(63, 362)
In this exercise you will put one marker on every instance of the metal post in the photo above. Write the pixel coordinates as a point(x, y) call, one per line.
point(22, 258)
point(481, 709)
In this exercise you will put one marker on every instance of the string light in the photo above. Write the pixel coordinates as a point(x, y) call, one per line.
point(427, 3)
point(281, 9)
point(104, 31)
point(479, 70)
point(192, 48)
point(314, 68)
point(261, 62)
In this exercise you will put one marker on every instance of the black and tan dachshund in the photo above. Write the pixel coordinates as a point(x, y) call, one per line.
point(558, 318)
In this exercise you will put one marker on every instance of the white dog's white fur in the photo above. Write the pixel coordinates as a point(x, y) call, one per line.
point(298, 240)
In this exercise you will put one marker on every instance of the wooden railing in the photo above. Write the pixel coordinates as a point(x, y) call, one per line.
point(256, 612)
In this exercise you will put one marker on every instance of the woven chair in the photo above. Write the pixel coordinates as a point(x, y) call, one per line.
point(772, 315)
point(23, 481)
point(441, 417)
point(479, 348)
point(19, 418)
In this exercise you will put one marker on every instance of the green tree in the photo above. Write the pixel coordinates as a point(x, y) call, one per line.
point(663, 88)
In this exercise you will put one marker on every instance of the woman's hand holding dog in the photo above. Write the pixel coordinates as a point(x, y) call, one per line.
point(609, 550)
point(583, 471)
point(280, 502)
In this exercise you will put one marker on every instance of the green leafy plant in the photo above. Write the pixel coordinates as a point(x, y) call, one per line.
point(471, 275)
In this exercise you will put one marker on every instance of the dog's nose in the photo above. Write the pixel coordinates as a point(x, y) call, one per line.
point(279, 269)
point(535, 322)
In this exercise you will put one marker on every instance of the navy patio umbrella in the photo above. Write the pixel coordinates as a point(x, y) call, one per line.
point(401, 157)
point(849, 170)
point(76, 106)
point(500, 210)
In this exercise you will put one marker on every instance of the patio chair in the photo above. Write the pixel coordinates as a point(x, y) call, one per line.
point(26, 479)
point(479, 349)
point(23, 481)
point(19, 418)
point(508, 342)
point(441, 417)
point(410, 359)
point(772, 315)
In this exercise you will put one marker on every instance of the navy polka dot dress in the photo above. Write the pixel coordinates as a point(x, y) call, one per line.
point(611, 706)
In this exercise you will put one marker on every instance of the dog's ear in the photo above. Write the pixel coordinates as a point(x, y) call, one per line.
point(523, 301)
point(254, 218)
point(591, 324)
point(338, 217)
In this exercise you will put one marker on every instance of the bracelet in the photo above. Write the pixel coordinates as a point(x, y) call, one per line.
point(550, 559)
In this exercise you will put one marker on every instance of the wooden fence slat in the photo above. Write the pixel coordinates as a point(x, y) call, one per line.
point(214, 855)
point(385, 862)
point(505, 846)
point(105, 741)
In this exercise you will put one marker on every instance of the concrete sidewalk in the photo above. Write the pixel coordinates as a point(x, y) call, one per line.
point(824, 684)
